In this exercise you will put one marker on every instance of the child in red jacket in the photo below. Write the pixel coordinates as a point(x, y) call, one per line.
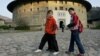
point(50, 34)
point(76, 27)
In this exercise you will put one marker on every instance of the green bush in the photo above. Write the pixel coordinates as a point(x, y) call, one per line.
point(22, 28)
point(5, 27)
point(98, 27)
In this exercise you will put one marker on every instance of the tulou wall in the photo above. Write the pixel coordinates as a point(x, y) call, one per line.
point(33, 14)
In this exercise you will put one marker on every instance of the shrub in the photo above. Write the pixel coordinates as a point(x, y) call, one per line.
point(98, 27)
point(5, 27)
point(22, 28)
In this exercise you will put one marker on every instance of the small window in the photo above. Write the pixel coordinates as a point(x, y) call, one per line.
point(66, 9)
point(31, 3)
point(31, 9)
point(38, 2)
point(61, 8)
point(37, 9)
point(78, 4)
point(55, 8)
point(61, 2)
point(73, 3)
point(56, 1)
point(46, 1)
point(24, 3)
point(66, 2)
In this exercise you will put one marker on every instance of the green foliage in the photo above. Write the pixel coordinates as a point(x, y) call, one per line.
point(22, 28)
point(5, 27)
point(97, 27)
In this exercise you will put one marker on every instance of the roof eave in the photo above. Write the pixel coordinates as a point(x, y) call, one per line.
point(13, 4)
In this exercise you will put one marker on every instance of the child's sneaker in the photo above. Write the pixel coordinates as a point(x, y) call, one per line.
point(38, 50)
point(55, 53)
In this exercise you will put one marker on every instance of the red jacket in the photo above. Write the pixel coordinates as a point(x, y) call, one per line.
point(77, 23)
point(75, 19)
point(50, 26)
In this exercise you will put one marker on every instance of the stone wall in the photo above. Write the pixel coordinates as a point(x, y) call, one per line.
point(34, 14)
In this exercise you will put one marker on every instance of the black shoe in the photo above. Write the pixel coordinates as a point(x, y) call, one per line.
point(67, 52)
point(50, 50)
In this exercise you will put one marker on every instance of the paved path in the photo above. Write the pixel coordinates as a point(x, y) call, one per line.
point(24, 43)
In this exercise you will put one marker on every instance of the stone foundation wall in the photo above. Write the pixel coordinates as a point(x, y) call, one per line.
point(35, 13)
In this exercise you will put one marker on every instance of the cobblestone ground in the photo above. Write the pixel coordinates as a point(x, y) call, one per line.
point(24, 43)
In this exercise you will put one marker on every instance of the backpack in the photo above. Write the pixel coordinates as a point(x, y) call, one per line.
point(80, 27)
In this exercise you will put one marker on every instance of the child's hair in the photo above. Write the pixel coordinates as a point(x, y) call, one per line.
point(71, 9)
point(49, 11)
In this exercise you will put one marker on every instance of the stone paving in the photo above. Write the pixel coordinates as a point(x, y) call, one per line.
point(25, 43)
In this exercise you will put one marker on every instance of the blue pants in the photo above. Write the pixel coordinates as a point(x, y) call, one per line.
point(75, 38)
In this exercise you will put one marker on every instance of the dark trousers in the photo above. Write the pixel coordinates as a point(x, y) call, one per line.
point(52, 42)
point(62, 29)
point(75, 38)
